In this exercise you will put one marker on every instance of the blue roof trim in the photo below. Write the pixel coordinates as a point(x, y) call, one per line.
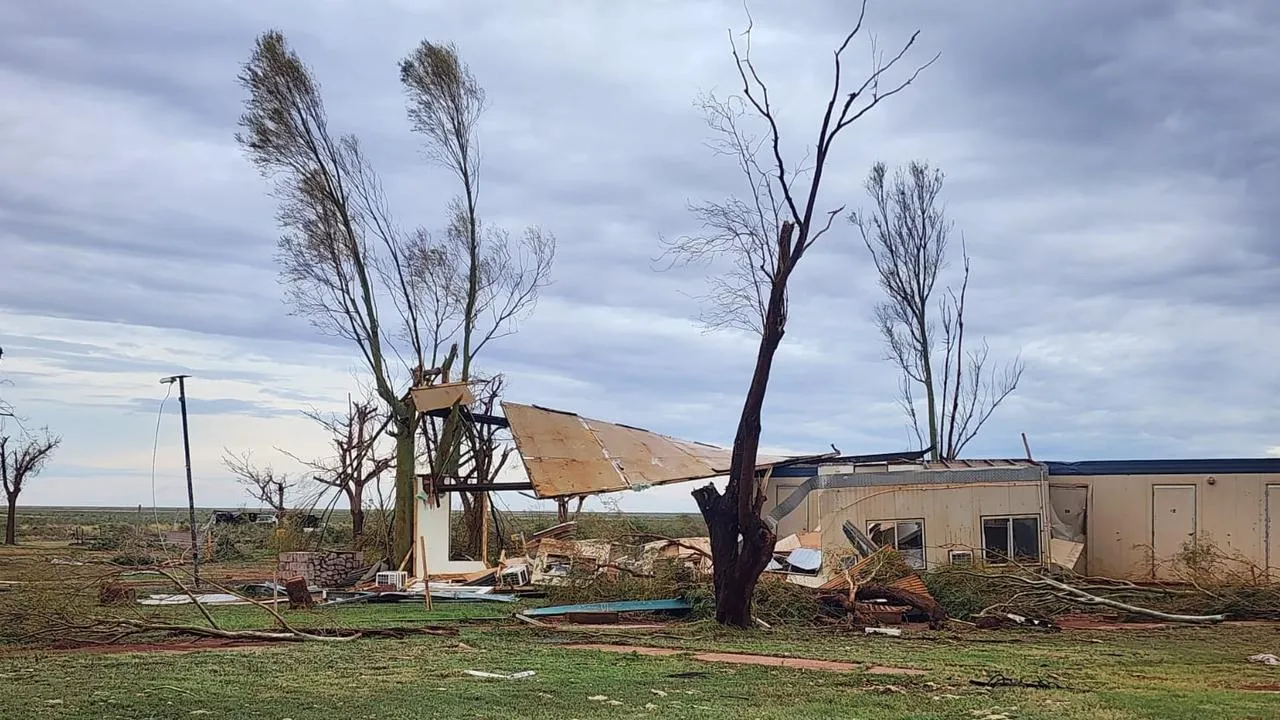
point(1223, 466)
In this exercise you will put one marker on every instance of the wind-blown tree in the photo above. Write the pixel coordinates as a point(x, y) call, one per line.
point(908, 235)
point(263, 483)
point(477, 281)
point(340, 257)
point(21, 459)
point(764, 234)
point(349, 270)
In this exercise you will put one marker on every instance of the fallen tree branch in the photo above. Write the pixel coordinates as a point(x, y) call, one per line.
point(1076, 595)
point(187, 591)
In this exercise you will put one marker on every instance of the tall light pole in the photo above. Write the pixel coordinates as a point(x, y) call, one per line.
point(191, 493)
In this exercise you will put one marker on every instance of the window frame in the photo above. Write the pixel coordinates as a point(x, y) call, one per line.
point(1009, 559)
point(924, 555)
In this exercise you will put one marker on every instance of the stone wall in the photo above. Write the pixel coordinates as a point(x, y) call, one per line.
point(325, 569)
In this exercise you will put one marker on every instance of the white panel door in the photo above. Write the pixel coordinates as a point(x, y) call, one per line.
point(1173, 524)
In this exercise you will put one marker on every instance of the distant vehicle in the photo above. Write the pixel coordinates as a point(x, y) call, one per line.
point(226, 517)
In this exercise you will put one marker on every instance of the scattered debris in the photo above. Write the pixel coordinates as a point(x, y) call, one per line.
point(299, 593)
point(731, 658)
point(882, 670)
point(1002, 680)
point(204, 599)
point(501, 676)
point(1265, 659)
point(891, 632)
point(999, 620)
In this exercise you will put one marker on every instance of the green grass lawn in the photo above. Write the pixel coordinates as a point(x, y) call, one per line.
point(1159, 674)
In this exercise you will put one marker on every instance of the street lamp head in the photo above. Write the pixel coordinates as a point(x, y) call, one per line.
point(172, 379)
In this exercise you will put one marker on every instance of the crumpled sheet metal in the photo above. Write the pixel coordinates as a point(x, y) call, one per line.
point(566, 454)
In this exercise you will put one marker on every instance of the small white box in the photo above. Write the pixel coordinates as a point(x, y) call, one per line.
point(395, 578)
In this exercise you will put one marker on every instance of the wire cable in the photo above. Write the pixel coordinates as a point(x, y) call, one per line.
point(155, 450)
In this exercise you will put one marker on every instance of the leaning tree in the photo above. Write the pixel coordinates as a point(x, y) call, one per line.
point(349, 269)
point(477, 280)
point(763, 234)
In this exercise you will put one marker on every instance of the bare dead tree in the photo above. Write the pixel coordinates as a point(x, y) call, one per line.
point(357, 460)
point(262, 482)
point(21, 459)
point(907, 234)
point(475, 281)
point(341, 257)
point(764, 234)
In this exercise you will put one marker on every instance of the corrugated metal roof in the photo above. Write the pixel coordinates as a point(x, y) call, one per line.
point(861, 463)
point(566, 454)
point(967, 464)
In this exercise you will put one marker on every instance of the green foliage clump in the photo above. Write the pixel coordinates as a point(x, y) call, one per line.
point(960, 594)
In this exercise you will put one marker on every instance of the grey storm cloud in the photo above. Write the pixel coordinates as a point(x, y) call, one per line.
point(1112, 168)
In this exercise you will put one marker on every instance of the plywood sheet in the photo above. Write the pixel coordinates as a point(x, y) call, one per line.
point(1065, 553)
point(567, 454)
point(444, 395)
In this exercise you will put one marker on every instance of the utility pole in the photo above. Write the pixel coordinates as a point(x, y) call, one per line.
point(191, 493)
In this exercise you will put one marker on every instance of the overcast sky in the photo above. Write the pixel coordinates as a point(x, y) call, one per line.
point(1113, 167)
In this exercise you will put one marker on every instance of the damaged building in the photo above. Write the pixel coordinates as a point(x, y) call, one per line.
point(1122, 519)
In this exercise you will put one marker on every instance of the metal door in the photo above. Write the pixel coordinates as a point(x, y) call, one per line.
point(1173, 524)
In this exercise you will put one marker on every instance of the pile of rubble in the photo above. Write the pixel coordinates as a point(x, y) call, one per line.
point(871, 585)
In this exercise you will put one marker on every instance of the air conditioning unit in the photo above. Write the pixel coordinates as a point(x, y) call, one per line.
point(962, 558)
point(394, 578)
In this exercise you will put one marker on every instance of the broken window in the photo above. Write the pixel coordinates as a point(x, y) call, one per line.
point(905, 536)
point(1011, 537)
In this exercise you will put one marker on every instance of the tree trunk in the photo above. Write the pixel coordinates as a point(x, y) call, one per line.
point(473, 524)
point(736, 513)
point(406, 490)
point(357, 522)
point(931, 397)
point(735, 572)
point(355, 501)
point(11, 521)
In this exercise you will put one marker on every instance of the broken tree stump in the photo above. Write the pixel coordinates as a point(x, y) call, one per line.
point(299, 595)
